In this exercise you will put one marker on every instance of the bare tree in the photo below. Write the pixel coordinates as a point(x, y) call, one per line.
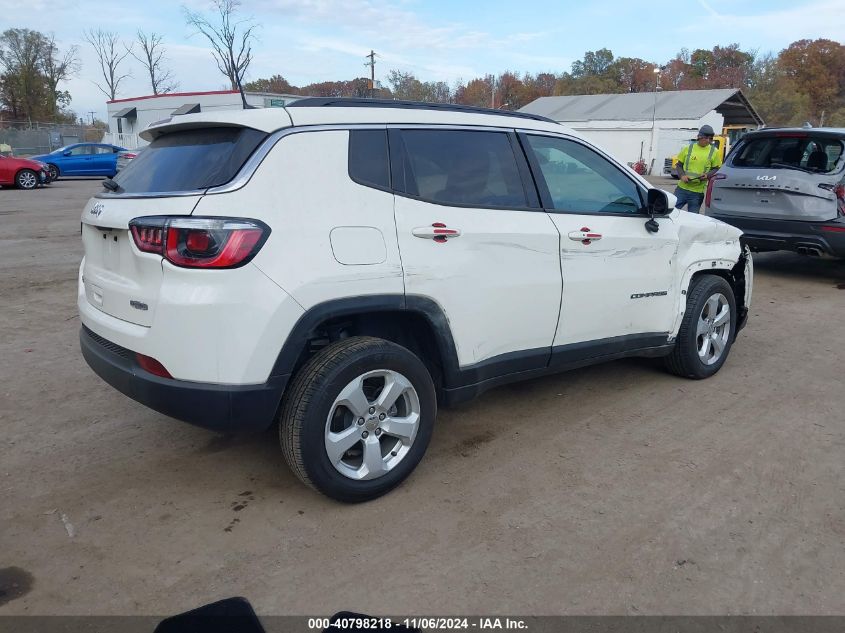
point(105, 45)
point(231, 40)
point(58, 67)
point(152, 58)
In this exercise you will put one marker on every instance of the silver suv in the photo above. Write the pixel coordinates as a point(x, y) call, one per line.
point(784, 188)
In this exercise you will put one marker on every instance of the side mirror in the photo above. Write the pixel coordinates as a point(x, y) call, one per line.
point(660, 202)
point(66, 152)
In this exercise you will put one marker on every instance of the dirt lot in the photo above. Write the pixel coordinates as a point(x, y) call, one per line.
point(614, 489)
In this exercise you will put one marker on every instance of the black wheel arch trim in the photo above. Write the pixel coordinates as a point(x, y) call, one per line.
point(308, 324)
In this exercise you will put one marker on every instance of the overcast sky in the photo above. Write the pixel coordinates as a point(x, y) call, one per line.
point(319, 40)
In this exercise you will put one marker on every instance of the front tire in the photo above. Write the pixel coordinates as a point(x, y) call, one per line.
point(357, 418)
point(26, 179)
point(54, 172)
point(707, 329)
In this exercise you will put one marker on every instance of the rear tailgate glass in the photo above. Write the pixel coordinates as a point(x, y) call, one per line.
point(814, 154)
point(190, 160)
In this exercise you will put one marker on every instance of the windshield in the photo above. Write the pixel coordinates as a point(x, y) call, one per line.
point(800, 151)
point(189, 160)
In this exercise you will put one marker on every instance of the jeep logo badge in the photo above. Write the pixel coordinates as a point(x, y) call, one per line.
point(97, 209)
point(767, 177)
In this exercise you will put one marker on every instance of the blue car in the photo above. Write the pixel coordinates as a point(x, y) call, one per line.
point(82, 159)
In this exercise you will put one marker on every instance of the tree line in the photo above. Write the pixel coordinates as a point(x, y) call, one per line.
point(803, 82)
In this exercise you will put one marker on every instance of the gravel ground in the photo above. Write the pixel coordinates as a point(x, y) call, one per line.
point(616, 489)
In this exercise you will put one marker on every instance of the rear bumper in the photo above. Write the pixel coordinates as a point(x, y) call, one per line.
point(765, 234)
point(223, 408)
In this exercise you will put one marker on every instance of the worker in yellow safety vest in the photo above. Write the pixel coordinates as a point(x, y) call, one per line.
point(695, 164)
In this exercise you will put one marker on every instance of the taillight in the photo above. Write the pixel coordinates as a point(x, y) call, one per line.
point(128, 155)
point(839, 190)
point(709, 194)
point(200, 242)
point(149, 239)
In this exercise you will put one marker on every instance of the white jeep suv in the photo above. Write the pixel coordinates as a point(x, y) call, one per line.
point(343, 267)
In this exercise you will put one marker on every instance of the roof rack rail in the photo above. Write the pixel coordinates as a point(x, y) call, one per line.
point(358, 102)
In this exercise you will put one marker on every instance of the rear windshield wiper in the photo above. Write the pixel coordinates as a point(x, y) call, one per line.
point(111, 185)
point(795, 167)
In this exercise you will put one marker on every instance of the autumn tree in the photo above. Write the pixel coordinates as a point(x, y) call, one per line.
point(358, 87)
point(405, 85)
point(539, 85)
point(594, 64)
point(151, 56)
point(775, 95)
point(510, 92)
point(634, 75)
point(477, 92)
point(594, 74)
point(110, 56)
point(276, 84)
point(817, 68)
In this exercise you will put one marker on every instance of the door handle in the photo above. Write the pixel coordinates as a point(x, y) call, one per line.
point(585, 236)
point(438, 232)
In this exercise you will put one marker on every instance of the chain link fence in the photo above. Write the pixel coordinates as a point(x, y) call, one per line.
point(24, 138)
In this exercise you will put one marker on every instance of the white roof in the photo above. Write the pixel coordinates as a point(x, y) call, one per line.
point(642, 106)
point(272, 119)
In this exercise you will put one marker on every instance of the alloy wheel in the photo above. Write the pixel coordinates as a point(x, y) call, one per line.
point(713, 329)
point(28, 180)
point(372, 424)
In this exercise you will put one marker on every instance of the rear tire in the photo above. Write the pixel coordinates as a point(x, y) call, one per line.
point(26, 179)
point(357, 418)
point(707, 329)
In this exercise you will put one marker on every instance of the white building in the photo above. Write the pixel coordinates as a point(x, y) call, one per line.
point(127, 117)
point(651, 126)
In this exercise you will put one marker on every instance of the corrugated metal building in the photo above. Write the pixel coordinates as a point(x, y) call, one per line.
point(648, 125)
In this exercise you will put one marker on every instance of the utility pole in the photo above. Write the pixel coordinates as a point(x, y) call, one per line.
point(372, 65)
point(92, 113)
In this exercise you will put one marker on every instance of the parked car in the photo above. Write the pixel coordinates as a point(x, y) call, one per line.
point(124, 157)
point(23, 173)
point(294, 266)
point(785, 188)
point(82, 159)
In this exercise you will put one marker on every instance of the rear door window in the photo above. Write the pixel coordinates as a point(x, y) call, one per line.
point(368, 159)
point(463, 168)
point(799, 151)
point(190, 160)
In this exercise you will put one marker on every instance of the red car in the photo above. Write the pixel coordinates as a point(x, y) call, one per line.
point(21, 172)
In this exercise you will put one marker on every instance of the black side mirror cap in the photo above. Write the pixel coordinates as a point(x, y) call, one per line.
point(658, 202)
